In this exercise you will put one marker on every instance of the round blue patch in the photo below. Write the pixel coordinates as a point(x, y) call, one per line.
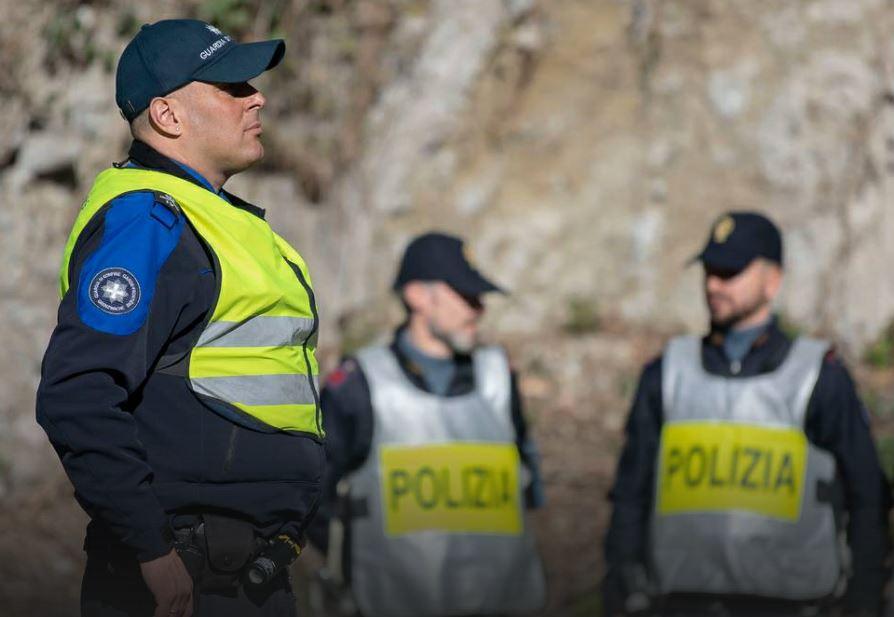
point(115, 291)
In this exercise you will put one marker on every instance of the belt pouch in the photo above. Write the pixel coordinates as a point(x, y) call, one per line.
point(231, 543)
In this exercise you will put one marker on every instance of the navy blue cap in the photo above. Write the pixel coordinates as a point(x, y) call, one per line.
point(171, 53)
point(440, 257)
point(737, 238)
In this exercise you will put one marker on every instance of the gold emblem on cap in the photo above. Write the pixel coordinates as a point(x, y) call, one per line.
point(723, 229)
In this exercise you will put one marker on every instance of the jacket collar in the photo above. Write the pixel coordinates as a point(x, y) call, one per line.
point(767, 353)
point(463, 379)
point(145, 156)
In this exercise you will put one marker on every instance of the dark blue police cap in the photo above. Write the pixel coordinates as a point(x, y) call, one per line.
point(441, 257)
point(171, 53)
point(737, 238)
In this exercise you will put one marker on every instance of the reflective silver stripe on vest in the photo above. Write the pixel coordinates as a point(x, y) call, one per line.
point(291, 389)
point(259, 331)
point(737, 552)
point(433, 573)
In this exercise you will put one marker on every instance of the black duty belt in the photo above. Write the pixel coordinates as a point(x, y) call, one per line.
point(217, 549)
point(221, 553)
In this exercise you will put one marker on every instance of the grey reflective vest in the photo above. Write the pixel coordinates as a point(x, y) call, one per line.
point(444, 531)
point(739, 500)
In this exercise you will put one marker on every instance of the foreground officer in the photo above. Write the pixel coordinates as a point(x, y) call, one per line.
point(745, 450)
point(427, 437)
point(179, 386)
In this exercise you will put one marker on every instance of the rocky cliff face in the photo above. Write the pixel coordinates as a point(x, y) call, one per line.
point(585, 148)
point(602, 138)
point(582, 146)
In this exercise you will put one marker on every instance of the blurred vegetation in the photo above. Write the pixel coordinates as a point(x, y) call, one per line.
point(231, 16)
point(357, 330)
point(71, 42)
point(264, 17)
point(627, 384)
point(582, 316)
point(128, 24)
point(879, 401)
point(885, 447)
point(5, 465)
point(880, 354)
point(789, 326)
point(589, 605)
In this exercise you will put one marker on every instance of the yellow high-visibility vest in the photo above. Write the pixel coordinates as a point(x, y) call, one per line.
point(256, 353)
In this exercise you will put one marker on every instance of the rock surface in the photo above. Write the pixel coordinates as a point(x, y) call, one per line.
point(582, 146)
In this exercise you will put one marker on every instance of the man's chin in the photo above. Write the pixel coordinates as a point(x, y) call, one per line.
point(246, 162)
point(257, 153)
point(464, 349)
point(462, 345)
point(722, 323)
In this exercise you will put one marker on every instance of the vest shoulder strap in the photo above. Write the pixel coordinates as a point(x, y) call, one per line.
point(377, 362)
point(683, 351)
point(806, 350)
point(492, 375)
point(802, 366)
point(682, 354)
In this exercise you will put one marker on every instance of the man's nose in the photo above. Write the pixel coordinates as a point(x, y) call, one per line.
point(713, 282)
point(257, 100)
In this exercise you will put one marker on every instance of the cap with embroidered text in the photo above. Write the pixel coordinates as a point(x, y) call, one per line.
point(169, 54)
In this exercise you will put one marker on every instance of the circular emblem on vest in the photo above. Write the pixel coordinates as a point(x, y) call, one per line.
point(115, 291)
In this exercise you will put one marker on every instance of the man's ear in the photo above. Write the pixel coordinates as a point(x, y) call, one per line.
point(773, 280)
point(166, 115)
point(416, 295)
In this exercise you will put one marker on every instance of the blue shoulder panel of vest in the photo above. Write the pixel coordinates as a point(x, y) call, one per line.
point(117, 281)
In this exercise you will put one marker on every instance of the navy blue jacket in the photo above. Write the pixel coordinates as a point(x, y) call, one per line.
point(348, 420)
point(139, 447)
point(836, 421)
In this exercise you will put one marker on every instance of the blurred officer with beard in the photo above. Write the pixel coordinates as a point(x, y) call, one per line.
point(749, 483)
point(430, 464)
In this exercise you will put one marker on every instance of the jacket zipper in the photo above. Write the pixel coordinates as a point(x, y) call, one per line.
point(313, 309)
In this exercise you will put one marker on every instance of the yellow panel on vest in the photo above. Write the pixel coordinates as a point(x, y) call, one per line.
point(711, 466)
point(219, 361)
point(284, 417)
point(256, 355)
point(460, 488)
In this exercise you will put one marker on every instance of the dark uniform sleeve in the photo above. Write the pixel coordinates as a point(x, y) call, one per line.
point(348, 421)
point(632, 493)
point(112, 325)
point(535, 496)
point(838, 422)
